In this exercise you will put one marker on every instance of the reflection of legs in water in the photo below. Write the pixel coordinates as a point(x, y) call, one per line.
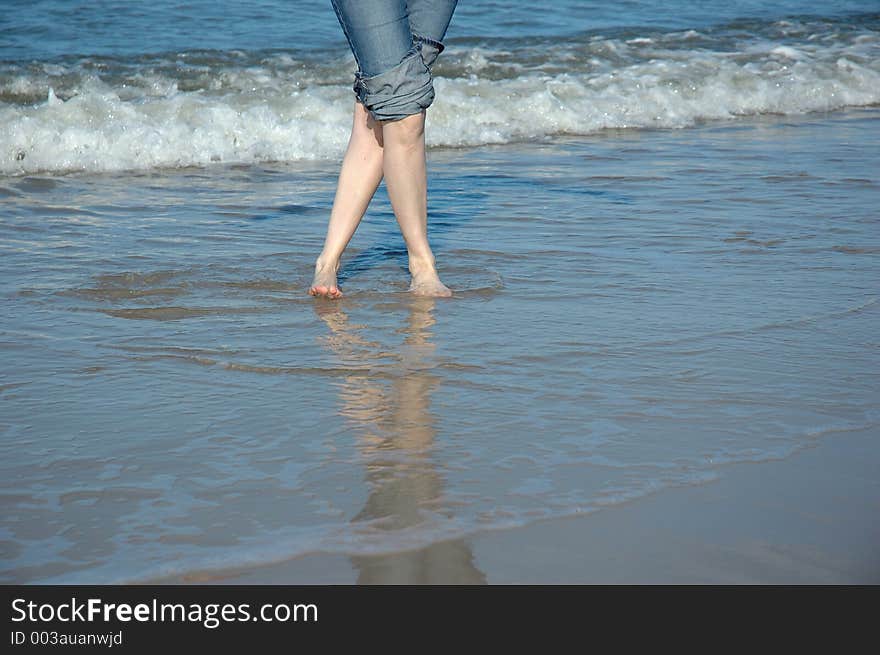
point(396, 436)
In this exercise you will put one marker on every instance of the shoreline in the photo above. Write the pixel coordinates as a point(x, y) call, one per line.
point(806, 519)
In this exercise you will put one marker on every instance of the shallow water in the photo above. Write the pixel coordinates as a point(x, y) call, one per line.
point(659, 219)
point(633, 310)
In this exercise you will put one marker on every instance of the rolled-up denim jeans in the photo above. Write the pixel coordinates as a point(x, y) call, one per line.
point(395, 43)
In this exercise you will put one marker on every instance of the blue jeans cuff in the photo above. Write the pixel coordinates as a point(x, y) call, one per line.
point(430, 48)
point(401, 91)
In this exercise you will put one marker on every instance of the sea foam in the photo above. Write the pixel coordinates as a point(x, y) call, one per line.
point(195, 109)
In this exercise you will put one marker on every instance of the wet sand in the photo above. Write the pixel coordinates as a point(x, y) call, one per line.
point(808, 519)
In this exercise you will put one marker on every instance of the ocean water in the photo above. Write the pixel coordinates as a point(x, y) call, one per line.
point(659, 220)
point(91, 86)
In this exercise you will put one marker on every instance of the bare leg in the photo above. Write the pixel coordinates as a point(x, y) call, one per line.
point(359, 178)
point(407, 184)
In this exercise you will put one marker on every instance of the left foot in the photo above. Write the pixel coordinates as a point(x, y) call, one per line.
point(425, 281)
point(324, 284)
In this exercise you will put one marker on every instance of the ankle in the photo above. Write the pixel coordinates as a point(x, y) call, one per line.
point(324, 263)
point(421, 263)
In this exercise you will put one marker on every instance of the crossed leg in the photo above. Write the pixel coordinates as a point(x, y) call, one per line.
point(359, 178)
point(407, 182)
point(395, 150)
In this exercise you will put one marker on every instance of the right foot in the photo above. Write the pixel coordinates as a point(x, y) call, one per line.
point(325, 285)
point(425, 281)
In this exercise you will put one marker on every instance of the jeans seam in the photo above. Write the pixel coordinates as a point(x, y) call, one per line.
point(414, 50)
point(437, 44)
point(347, 35)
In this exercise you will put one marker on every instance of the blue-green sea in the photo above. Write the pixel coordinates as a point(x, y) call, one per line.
point(659, 221)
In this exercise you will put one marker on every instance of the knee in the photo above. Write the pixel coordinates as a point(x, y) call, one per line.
point(365, 128)
point(404, 90)
point(408, 132)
